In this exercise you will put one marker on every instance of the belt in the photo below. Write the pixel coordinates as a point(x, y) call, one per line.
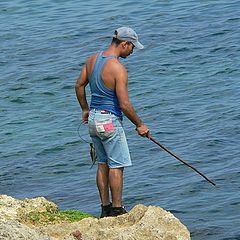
point(104, 112)
point(101, 111)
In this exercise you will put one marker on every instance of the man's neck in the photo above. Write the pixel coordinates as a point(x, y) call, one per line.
point(111, 51)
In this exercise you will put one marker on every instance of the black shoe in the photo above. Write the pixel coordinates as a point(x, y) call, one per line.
point(116, 211)
point(106, 210)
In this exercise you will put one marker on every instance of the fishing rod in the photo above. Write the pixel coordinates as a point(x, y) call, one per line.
point(178, 158)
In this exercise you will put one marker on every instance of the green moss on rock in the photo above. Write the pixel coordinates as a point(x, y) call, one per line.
point(45, 218)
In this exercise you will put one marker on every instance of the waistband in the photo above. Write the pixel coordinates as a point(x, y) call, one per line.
point(100, 111)
point(104, 112)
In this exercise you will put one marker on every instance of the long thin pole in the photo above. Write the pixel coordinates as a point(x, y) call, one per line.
point(178, 158)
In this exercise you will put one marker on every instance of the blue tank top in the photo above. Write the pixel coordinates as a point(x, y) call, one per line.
point(103, 98)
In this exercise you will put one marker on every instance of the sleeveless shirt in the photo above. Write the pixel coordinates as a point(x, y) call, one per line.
point(102, 98)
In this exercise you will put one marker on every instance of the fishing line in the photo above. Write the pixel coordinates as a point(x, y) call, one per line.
point(92, 148)
point(78, 131)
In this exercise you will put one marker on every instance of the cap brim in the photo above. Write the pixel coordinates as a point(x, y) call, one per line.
point(138, 45)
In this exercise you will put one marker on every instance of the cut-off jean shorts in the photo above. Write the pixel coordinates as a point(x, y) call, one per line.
point(109, 139)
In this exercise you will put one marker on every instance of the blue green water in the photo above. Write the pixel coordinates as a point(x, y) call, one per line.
point(184, 84)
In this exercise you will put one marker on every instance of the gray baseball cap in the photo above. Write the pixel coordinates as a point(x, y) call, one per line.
point(128, 34)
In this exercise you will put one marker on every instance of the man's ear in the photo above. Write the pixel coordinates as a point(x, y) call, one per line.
point(124, 44)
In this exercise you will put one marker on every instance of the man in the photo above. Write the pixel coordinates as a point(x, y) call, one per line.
point(108, 80)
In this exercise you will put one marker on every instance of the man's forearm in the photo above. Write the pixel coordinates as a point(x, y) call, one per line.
point(81, 96)
point(130, 113)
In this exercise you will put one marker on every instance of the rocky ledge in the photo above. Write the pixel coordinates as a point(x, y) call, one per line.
point(40, 219)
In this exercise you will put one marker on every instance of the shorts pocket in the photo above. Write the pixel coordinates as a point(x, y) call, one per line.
point(105, 127)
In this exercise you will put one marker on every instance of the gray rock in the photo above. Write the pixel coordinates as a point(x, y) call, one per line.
point(141, 223)
point(13, 230)
point(14, 209)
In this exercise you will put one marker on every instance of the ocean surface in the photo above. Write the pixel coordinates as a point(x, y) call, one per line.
point(184, 85)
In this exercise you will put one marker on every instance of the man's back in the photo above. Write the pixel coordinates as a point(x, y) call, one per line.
point(111, 69)
point(102, 82)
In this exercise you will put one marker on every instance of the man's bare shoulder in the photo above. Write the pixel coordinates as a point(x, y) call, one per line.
point(116, 66)
point(90, 63)
point(92, 58)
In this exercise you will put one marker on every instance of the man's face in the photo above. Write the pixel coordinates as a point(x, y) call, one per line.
point(127, 49)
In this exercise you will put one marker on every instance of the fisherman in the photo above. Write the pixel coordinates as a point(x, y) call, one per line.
point(108, 80)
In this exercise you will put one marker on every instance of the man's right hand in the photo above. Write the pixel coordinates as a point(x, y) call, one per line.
point(85, 115)
point(143, 130)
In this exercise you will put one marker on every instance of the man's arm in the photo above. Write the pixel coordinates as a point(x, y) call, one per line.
point(81, 93)
point(125, 104)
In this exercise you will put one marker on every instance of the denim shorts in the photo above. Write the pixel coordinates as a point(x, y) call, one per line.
point(109, 139)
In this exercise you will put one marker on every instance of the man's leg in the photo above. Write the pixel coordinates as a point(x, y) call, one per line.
point(116, 185)
point(103, 183)
point(103, 188)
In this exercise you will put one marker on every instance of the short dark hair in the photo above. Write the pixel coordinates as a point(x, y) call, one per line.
point(117, 41)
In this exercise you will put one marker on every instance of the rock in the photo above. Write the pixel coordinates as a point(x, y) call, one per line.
point(13, 230)
point(77, 234)
point(14, 209)
point(141, 223)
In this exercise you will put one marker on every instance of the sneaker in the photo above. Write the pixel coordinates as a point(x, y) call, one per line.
point(106, 210)
point(116, 211)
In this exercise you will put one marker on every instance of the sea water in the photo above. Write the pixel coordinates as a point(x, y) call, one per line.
point(184, 85)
